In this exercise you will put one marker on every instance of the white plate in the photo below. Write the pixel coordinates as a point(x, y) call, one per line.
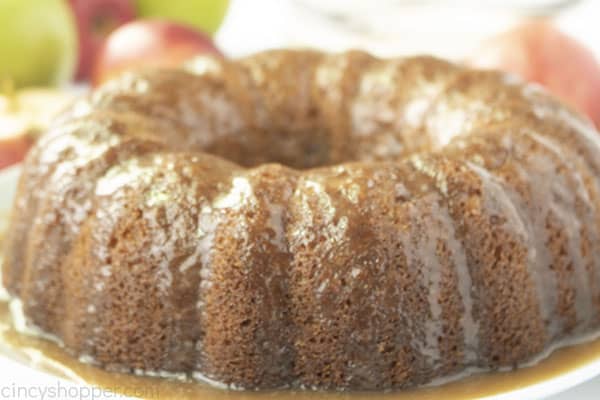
point(23, 376)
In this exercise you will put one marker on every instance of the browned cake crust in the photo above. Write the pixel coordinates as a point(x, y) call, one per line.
point(378, 223)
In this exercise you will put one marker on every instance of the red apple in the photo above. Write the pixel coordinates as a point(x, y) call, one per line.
point(22, 116)
point(14, 141)
point(150, 43)
point(96, 19)
point(539, 52)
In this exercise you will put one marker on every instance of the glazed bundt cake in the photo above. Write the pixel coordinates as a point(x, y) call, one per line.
point(306, 220)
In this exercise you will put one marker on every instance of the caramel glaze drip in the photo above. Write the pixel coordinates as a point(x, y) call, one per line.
point(378, 224)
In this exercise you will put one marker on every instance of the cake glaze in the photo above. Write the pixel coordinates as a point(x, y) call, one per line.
point(309, 220)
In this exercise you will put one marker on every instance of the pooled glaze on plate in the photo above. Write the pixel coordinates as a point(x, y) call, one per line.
point(49, 357)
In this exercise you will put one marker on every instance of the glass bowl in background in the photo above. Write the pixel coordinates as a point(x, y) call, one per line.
point(450, 29)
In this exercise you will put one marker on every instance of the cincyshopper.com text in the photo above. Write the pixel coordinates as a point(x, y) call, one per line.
point(68, 392)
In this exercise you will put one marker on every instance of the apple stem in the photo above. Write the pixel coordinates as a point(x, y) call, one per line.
point(7, 88)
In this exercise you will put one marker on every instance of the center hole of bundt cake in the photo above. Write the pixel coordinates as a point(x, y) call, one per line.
point(299, 150)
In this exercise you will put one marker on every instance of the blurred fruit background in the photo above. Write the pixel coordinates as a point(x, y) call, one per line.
point(53, 50)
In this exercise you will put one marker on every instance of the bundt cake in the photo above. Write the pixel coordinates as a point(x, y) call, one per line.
point(296, 219)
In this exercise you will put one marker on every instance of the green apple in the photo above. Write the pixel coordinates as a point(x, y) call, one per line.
point(206, 15)
point(38, 42)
